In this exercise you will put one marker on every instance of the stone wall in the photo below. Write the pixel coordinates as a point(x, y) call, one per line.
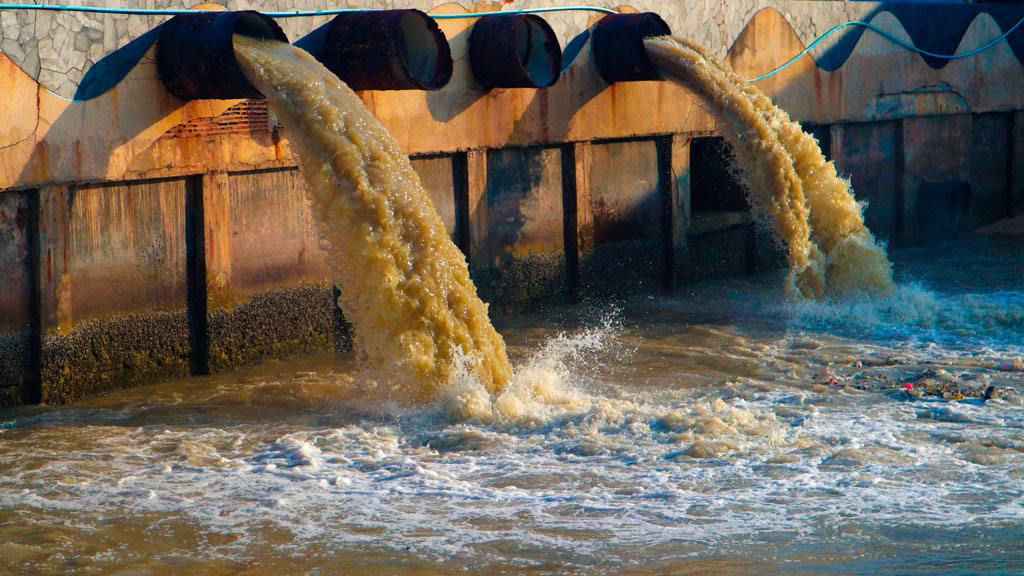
point(58, 48)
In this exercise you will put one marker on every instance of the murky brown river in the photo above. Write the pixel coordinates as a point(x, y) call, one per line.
point(696, 432)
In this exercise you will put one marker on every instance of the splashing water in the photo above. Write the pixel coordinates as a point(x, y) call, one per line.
point(831, 251)
point(404, 285)
point(541, 388)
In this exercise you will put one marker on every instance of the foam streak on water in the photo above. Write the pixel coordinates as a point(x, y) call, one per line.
point(831, 251)
point(404, 285)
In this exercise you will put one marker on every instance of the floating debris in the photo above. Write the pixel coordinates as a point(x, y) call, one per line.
point(1017, 365)
point(931, 384)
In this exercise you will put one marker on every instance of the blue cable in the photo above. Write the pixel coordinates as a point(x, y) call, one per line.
point(891, 37)
point(526, 11)
point(292, 14)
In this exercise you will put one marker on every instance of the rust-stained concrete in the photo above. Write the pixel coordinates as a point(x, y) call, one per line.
point(870, 154)
point(16, 299)
point(125, 250)
point(15, 261)
point(437, 176)
point(269, 293)
point(142, 237)
point(111, 137)
point(622, 243)
point(517, 250)
point(680, 209)
point(271, 238)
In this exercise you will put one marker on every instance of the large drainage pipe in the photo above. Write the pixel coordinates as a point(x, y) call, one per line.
point(384, 50)
point(514, 51)
point(195, 55)
point(618, 45)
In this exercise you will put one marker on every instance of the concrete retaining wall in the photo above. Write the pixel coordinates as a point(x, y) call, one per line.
point(143, 238)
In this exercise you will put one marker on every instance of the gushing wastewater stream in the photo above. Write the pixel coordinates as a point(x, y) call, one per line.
point(791, 185)
point(404, 284)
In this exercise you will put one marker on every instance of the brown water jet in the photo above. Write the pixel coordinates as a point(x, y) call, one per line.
point(405, 286)
point(790, 183)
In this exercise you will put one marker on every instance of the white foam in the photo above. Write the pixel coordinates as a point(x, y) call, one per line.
point(915, 311)
point(700, 470)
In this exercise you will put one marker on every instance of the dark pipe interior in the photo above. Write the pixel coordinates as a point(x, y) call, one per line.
point(618, 44)
point(196, 55)
point(418, 48)
point(256, 25)
point(515, 50)
point(384, 50)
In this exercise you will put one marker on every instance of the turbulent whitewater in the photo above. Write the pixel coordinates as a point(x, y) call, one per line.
point(404, 285)
point(791, 185)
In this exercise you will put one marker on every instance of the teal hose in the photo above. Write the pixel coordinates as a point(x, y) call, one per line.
point(526, 11)
point(891, 37)
point(292, 14)
point(298, 13)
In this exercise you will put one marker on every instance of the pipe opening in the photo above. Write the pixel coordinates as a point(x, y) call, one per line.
point(386, 50)
point(196, 56)
point(256, 25)
point(418, 49)
point(514, 51)
point(618, 46)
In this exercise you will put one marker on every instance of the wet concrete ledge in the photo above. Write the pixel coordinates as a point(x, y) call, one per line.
point(109, 354)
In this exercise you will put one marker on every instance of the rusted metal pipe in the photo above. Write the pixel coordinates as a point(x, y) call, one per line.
point(514, 51)
point(195, 55)
point(618, 45)
point(386, 50)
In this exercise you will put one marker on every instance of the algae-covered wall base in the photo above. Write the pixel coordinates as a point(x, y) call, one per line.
point(18, 368)
point(122, 352)
point(278, 323)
